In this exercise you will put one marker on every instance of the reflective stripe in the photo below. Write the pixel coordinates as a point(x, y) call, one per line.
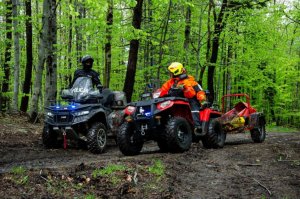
point(200, 87)
point(195, 111)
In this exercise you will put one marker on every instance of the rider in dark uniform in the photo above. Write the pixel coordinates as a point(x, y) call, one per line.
point(87, 71)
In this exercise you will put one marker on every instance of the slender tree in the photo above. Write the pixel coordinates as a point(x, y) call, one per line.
point(69, 77)
point(218, 28)
point(29, 57)
point(164, 31)
point(78, 29)
point(46, 56)
point(133, 52)
point(109, 23)
point(187, 33)
point(7, 55)
point(17, 54)
point(208, 43)
point(51, 60)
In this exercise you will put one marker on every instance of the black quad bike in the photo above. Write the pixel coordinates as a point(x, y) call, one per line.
point(86, 117)
point(168, 121)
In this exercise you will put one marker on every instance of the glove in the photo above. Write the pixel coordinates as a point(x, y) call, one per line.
point(204, 104)
point(100, 87)
point(180, 86)
point(201, 96)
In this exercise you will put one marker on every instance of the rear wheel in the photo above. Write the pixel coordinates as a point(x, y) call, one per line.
point(178, 134)
point(49, 137)
point(97, 138)
point(215, 136)
point(258, 134)
point(128, 142)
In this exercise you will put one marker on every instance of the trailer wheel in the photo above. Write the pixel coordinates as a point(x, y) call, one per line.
point(258, 134)
point(49, 137)
point(97, 138)
point(129, 144)
point(178, 134)
point(215, 136)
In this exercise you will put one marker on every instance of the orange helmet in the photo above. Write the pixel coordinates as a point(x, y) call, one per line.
point(176, 68)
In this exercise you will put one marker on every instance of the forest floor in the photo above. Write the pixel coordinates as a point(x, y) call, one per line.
point(242, 169)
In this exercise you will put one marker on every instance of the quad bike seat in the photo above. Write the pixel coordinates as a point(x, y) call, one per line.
point(108, 97)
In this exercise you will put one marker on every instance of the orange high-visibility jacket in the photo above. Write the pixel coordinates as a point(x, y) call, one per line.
point(188, 85)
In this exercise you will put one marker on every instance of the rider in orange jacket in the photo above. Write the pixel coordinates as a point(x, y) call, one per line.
point(188, 87)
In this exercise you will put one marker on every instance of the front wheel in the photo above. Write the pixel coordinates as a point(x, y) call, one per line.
point(129, 143)
point(97, 138)
point(179, 135)
point(49, 137)
point(258, 134)
point(215, 136)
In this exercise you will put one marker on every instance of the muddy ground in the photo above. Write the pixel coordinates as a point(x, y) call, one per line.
point(242, 169)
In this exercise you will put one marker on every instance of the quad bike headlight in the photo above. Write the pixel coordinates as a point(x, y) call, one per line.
point(165, 105)
point(81, 113)
point(49, 114)
point(156, 94)
point(129, 110)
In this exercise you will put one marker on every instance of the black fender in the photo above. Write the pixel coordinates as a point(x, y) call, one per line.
point(99, 115)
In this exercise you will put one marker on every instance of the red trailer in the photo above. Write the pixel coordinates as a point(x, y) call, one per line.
point(242, 117)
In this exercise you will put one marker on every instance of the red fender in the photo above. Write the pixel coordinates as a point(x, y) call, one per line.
point(205, 114)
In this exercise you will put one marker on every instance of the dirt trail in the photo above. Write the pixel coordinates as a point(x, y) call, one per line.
point(242, 169)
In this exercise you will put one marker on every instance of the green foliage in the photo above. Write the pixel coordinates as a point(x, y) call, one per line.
point(19, 170)
point(281, 129)
point(90, 196)
point(157, 168)
point(108, 170)
point(19, 175)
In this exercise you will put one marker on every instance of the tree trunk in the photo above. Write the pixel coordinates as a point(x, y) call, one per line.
point(218, 28)
point(46, 50)
point(208, 44)
point(78, 28)
point(187, 34)
point(133, 52)
point(69, 76)
point(51, 61)
point(7, 56)
point(198, 48)
point(163, 39)
point(228, 75)
point(109, 23)
point(147, 22)
point(29, 57)
point(17, 55)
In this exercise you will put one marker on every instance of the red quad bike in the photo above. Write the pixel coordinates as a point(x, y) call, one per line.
point(168, 121)
point(243, 117)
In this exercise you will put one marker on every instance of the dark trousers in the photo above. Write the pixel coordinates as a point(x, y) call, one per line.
point(195, 107)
